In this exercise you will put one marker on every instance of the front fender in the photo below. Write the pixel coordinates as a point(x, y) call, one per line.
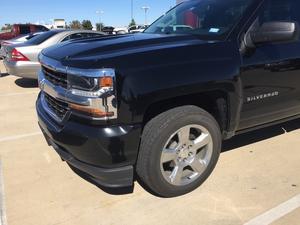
point(170, 74)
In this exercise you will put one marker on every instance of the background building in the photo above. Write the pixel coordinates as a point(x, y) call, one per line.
point(59, 24)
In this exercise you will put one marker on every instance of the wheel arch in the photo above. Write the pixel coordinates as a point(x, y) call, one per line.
point(214, 102)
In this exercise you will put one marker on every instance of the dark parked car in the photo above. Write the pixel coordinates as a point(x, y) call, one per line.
point(108, 30)
point(157, 105)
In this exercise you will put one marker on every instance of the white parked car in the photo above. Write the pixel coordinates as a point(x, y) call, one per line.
point(121, 30)
point(137, 28)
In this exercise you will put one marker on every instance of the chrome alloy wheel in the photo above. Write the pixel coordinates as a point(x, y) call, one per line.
point(186, 155)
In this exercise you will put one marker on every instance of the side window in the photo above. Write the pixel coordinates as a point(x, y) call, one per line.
point(24, 29)
point(84, 35)
point(93, 35)
point(280, 10)
point(66, 38)
point(74, 36)
point(275, 11)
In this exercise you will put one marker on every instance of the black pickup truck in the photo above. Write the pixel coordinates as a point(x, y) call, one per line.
point(156, 106)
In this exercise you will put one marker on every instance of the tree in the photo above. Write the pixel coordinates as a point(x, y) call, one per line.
point(87, 25)
point(6, 27)
point(75, 25)
point(132, 23)
point(99, 26)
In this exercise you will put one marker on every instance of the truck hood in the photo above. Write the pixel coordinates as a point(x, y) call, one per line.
point(115, 46)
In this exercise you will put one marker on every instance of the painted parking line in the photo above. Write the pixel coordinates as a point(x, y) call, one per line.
point(3, 220)
point(276, 213)
point(18, 93)
point(17, 137)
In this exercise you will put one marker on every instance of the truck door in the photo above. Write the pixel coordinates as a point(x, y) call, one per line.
point(270, 73)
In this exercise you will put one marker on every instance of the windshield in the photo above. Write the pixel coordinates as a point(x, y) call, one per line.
point(210, 19)
point(42, 37)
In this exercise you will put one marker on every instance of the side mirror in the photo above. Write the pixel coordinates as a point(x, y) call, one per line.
point(272, 32)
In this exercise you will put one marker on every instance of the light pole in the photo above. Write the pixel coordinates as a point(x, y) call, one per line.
point(131, 10)
point(99, 12)
point(146, 8)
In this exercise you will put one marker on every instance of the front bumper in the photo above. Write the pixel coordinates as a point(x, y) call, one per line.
point(113, 178)
point(105, 153)
point(22, 69)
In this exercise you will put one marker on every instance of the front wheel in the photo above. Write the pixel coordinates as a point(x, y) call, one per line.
point(179, 150)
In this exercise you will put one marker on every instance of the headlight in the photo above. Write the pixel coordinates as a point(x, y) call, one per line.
point(96, 85)
point(83, 83)
point(90, 80)
point(93, 83)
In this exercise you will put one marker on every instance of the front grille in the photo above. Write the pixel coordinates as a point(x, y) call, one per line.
point(58, 107)
point(55, 77)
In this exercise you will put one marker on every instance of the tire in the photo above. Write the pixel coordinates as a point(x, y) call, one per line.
point(189, 167)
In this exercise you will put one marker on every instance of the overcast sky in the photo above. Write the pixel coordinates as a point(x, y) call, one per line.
point(116, 12)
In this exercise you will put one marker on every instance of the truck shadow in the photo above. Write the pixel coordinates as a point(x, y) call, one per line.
point(26, 83)
point(3, 75)
point(260, 135)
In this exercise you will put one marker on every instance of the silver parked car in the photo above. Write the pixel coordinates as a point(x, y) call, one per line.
point(17, 40)
point(22, 59)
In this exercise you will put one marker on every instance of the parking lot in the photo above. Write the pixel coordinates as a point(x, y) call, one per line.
point(256, 182)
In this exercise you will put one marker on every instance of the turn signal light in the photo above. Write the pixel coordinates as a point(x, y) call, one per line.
point(18, 56)
point(106, 82)
point(91, 111)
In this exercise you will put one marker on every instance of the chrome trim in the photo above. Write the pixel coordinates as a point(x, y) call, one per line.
point(52, 64)
point(61, 93)
point(105, 97)
point(90, 72)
